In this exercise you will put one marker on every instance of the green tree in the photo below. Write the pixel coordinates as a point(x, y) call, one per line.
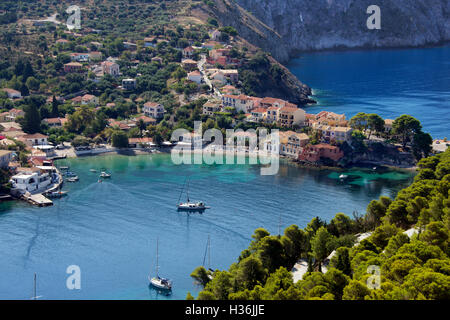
point(405, 127)
point(119, 139)
point(201, 276)
point(355, 290)
point(32, 119)
point(320, 244)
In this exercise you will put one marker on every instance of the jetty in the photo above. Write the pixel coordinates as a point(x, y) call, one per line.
point(37, 199)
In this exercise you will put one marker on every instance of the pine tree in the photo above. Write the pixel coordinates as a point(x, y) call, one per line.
point(32, 119)
point(55, 110)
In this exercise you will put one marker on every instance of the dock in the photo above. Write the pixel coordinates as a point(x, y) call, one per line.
point(37, 199)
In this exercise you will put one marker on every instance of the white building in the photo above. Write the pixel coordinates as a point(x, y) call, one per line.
point(154, 110)
point(195, 76)
point(31, 181)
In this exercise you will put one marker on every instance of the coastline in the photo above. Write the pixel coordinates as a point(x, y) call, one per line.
point(287, 160)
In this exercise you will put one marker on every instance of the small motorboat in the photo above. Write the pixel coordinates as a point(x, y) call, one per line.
point(64, 168)
point(57, 194)
point(105, 175)
point(374, 168)
point(93, 170)
point(72, 179)
point(343, 176)
point(71, 174)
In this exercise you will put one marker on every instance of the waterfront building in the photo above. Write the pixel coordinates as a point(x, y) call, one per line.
point(313, 153)
point(291, 115)
point(30, 180)
point(35, 139)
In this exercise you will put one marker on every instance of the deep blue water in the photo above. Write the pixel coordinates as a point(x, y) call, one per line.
point(109, 229)
point(387, 82)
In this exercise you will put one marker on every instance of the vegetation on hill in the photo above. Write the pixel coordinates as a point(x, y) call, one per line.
point(416, 267)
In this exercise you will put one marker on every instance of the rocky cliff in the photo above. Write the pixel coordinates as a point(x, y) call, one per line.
point(285, 27)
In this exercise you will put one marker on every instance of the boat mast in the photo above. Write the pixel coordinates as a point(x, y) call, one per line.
point(209, 252)
point(34, 287)
point(187, 192)
point(157, 267)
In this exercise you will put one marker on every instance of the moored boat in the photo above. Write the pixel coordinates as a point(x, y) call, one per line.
point(157, 281)
point(190, 206)
point(56, 194)
point(104, 174)
point(72, 179)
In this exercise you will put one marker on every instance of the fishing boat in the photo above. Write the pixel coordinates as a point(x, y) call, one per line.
point(57, 194)
point(104, 174)
point(72, 179)
point(156, 281)
point(190, 206)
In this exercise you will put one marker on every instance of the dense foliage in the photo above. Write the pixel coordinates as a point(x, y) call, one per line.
point(416, 267)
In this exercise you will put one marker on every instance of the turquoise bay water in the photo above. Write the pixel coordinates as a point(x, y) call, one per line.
point(109, 229)
point(387, 82)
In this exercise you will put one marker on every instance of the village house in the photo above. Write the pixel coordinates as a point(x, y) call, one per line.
point(388, 125)
point(35, 139)
point(79, 57)
point(229, 89)
point(240, 103)
point(231, 75)
point(211, 107)
point(272, 114)
point(5, 158)
point(12, 94)
point(30, 180)
point(334, 133)
point(129, 84)
point(189, 64)
point(55, 122)
point(111, 68)
point(140, 142)
point(89, 99)
point(62, 41)
point(147, 120)
point(195, 76)
point(292, 143)
point(73, 67)
point(290, 115)
point(154, 110)
point(188, 52)
point(11, 115)
point(258, 115)
point(326, 118)
point(314, 153)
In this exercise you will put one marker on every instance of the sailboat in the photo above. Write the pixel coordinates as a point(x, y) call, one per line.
point(188, 205)
point(157, 281)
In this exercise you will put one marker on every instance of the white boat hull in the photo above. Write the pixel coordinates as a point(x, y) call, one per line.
point(160, 283)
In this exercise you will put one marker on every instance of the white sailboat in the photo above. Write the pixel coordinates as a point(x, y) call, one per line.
point(208, 250)
point(190, 206)
point(157, 281)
